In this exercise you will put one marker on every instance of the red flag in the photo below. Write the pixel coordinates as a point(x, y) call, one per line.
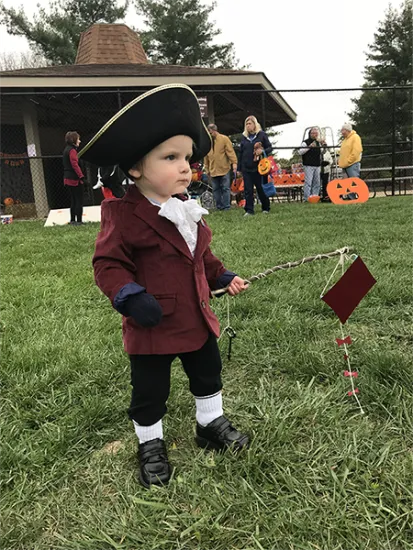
point(347, 340)
point(347, 293)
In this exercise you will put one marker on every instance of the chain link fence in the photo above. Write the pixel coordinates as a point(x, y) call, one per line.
point(33, 126)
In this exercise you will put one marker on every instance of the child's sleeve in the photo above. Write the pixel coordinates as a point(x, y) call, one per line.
point(112, 262)
point(216, 274)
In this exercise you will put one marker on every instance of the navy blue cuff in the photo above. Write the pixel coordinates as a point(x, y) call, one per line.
point(225, 279)
point(124, 293)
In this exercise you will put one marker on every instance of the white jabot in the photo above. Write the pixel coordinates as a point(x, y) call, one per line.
point(185, 215)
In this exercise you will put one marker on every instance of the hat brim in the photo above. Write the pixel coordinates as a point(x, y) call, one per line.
point(147, 121)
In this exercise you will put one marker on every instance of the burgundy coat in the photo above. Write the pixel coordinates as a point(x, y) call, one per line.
point(136, 245)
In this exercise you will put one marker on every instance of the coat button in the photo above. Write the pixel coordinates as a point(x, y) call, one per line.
point(203, 304)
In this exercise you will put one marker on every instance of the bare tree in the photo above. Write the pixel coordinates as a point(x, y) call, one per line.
point(10, 61)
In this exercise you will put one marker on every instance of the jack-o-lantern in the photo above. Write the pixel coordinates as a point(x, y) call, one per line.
point(194, 174)
point(348, 191)
point(314, 198)
point(237, 186)
point(8, 202)
point(264, 166)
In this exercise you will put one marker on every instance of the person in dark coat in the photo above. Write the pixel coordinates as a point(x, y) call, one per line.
point(153, 261)
point(73, 177)
point(110, 179)
point(252, 135)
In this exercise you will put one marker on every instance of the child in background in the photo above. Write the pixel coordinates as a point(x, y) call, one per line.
point(153, 261)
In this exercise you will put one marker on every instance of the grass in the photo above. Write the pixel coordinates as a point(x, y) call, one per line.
point(318, 475)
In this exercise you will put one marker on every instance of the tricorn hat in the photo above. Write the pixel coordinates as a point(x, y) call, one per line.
point(146, 122)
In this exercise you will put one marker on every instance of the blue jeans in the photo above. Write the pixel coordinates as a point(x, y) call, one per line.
point(311, 181)
point(352, 171)
point(221, 190)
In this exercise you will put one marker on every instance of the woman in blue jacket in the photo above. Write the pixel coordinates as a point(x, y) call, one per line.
point(253, 134)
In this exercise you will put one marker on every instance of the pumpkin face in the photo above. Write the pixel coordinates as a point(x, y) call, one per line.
point(348, 191)
point(264, 166)
point(8, 202)
point(237, 186)
point(314, 198)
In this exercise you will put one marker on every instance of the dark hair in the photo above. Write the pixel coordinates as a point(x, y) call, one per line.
point(71, 138)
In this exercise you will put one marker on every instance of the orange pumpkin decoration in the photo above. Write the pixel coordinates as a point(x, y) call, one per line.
point(264, 166)
point(348, 191)
point(8, 202)
point(237, 186)
point(314, 198)
point(194, 175)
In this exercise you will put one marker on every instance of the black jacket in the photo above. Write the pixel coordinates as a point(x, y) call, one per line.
point(246, 155)
point(313, 156)
point(69, 173)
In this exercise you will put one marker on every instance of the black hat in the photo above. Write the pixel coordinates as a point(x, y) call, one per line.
point(144, 123)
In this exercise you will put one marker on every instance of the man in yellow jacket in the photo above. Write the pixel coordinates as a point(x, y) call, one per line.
point(218, 163)
point(350, 152)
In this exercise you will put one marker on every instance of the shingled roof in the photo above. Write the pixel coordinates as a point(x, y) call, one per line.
point(123, 69)
point(108, 44)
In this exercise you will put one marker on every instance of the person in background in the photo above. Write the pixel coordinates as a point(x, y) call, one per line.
point(326, 162)
point(73, 177)
point(350, 152)
point(110, 180)
point(311, 155)
point(218, 163)
point(253, 135)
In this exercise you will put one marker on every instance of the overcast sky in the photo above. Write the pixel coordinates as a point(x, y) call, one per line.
point(297, 44)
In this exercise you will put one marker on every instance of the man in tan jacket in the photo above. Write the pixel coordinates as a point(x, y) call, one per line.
point(218, 163)
point(350, 152)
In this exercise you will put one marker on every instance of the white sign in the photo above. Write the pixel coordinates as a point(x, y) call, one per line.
point(203, 105)
point(31, 150)
point(62, 216)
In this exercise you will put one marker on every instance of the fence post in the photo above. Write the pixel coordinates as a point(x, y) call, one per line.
point(31, 129)
point(393, 148)
point(263, 117)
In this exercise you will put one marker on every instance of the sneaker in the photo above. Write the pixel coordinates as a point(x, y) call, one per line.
point(220, 435)
point(155, 468)
point(248, 214)
point(265, 211)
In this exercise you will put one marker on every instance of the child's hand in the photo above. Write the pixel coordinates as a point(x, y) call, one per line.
point(236, 286)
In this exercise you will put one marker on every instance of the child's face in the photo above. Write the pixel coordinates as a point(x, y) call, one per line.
point(165, 171)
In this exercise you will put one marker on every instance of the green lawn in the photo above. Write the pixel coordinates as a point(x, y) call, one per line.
point(318, 475)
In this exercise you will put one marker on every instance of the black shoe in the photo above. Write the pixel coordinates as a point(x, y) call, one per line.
point(220, 435)
point(154, 465)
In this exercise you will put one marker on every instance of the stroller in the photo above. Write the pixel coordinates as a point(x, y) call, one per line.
point(200, 189)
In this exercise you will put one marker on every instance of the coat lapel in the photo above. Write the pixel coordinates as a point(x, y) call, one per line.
point(204, 239)
point(150, 215)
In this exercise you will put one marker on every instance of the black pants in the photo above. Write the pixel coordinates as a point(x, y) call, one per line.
point(76, 202)
point(251, 179)
point(324, 181)
point(151, 379)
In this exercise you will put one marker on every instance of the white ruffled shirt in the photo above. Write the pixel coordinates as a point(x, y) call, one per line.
point(185, 215)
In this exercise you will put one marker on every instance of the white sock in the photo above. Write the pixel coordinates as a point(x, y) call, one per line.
point(146, 433)
point(208, 408)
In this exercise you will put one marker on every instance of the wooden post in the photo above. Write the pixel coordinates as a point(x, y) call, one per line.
point(31, 129)
point(211, 114)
